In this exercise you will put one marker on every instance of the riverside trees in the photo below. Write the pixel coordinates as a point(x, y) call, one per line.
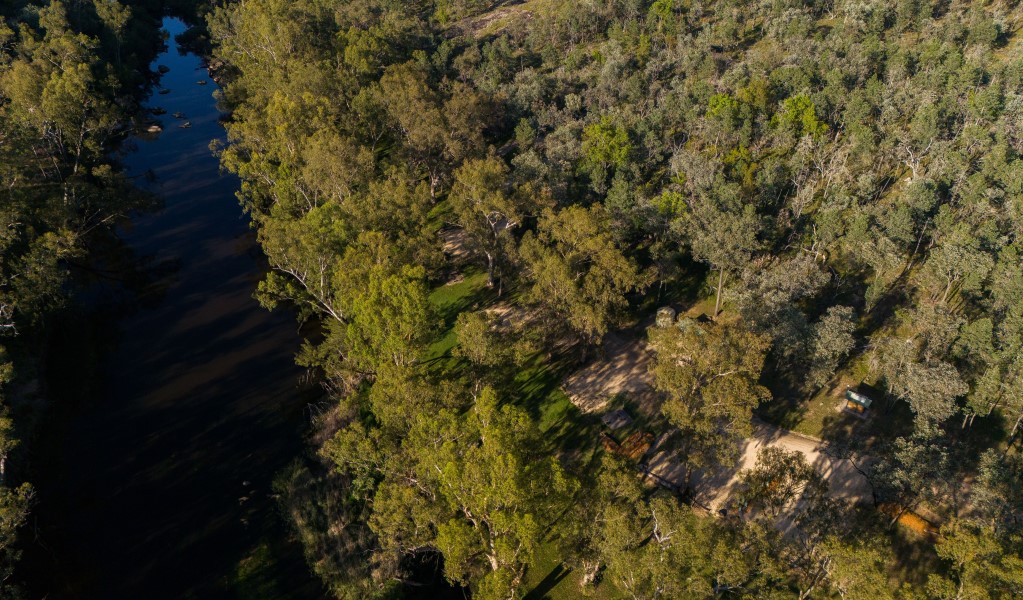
point(68, 77)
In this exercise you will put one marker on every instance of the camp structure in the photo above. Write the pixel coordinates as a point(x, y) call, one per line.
point(616, 419)
point(633, 447)
point(856, 403)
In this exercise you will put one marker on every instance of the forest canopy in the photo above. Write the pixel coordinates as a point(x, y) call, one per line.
point(473, 200)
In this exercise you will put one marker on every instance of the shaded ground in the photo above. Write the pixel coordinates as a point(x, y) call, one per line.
point(715, 490)
point(624, 369)
point(455, 244)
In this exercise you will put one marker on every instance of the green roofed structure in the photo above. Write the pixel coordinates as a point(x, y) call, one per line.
point(857, 403)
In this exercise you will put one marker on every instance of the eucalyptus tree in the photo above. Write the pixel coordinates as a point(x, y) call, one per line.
point(915, 470)
point(833, 340)
point(710, 374)
point(780, 479)
point(489, 210)
point(724, 234)
point(478, 487)
point(576, 273)
point(981, 563)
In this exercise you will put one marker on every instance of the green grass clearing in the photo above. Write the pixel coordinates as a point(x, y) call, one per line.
point(449, 300)
point(549, 578)
point(471, 292)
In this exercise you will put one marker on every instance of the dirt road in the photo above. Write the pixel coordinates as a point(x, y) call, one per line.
point(625, 369)
point(715, 490)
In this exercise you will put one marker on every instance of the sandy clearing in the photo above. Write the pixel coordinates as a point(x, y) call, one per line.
point(623, 369)
point(455, 244)
point(715, 490)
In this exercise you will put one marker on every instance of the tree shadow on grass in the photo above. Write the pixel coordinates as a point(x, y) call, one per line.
point(537, 382)
point(536, 387)
point(787, 406)
point(915, 557)
point(548, 583)
point(886, 421)
point(471, 293)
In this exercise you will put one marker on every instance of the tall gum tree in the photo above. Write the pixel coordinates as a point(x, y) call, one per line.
point(723, 235)
point(710, 374)
point(479, 488)
point(488, 210)
point(576, 273)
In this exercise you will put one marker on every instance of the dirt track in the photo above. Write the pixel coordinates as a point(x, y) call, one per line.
point(714, 490)
point(625, 369)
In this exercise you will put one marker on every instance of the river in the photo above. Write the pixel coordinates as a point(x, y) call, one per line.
point(161, 487)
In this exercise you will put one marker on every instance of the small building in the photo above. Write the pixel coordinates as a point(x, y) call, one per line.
point(665, 316)
point(616, 419)
point(856, 403)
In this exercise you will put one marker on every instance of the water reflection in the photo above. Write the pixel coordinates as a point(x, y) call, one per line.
point(161, 487)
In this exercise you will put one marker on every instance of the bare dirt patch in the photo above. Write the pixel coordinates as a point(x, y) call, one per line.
point(716, 489)
point(510, 317)
point(455, 244)
point(499, 17)
point(623, 369)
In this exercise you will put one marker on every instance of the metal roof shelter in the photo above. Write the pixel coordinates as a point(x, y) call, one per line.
point(857, 403)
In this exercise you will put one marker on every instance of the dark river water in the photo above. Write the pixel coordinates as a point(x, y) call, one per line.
point(161, 487)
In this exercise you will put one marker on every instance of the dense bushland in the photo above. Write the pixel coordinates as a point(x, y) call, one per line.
point(836, 185)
